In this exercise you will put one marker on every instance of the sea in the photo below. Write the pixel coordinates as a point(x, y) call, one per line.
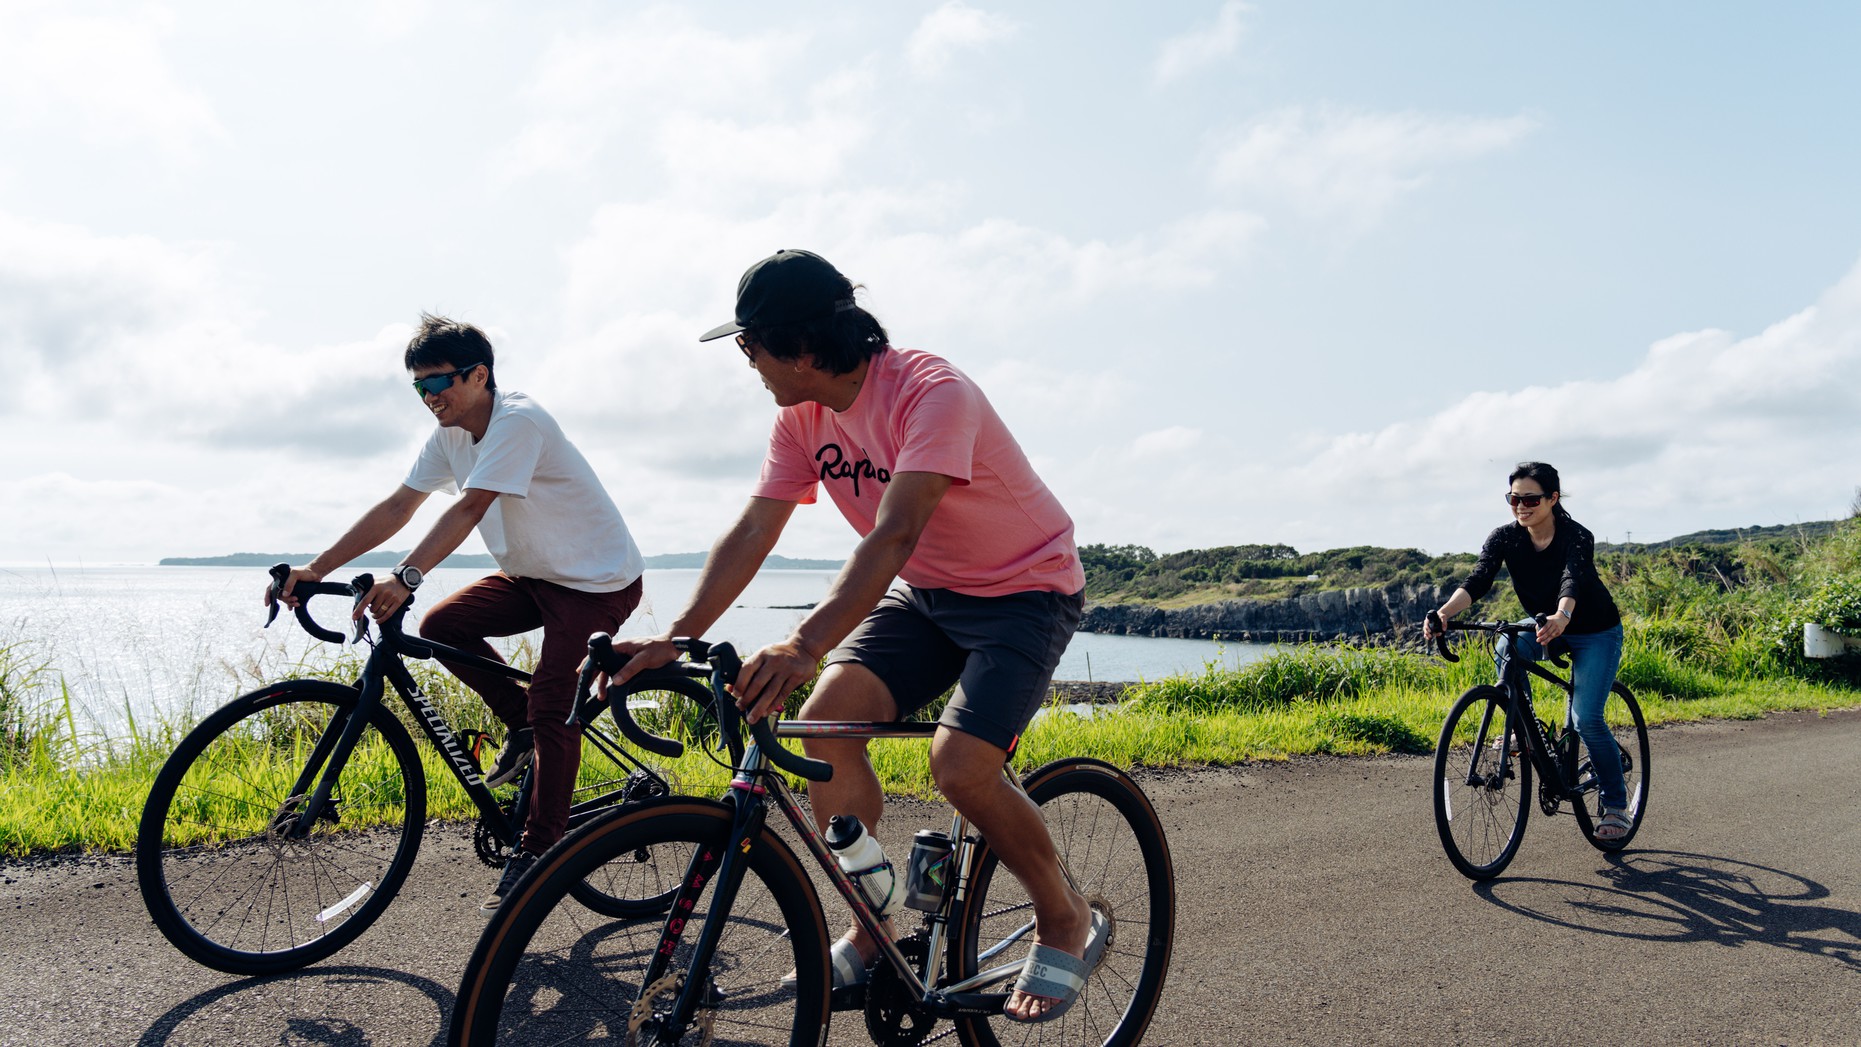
point(140, 641)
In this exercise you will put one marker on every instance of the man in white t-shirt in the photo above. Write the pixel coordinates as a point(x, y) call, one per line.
point(567, 563)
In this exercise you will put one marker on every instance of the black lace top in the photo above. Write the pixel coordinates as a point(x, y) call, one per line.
point(1566, 567)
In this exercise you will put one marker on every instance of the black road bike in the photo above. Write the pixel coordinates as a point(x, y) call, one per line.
point(285, 822)
point(1494, 740)
point(747, 910)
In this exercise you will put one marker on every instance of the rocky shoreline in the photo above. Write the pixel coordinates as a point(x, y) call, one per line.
point(1369, 615)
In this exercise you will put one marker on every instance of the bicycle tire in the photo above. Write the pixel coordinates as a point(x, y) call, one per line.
point(1482, 790)
point(1113, 848)
point(221, 878)
point(604, 784)
point(1623, 713)
point(551, 972)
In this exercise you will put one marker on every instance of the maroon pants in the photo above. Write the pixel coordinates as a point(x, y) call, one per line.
point(504, 606)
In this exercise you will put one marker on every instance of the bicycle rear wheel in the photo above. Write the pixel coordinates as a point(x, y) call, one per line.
point(1623, 714)
point(1482, 792)
point(549, 972)
point(222, 870)
point(1111, 846)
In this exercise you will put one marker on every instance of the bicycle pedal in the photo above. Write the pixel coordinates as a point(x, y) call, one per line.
point(848, 998)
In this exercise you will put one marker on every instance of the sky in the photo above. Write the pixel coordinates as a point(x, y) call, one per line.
point(1313, 274)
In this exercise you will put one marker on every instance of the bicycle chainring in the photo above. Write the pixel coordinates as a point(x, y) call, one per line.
point(485, 843)
point(895, 1017)
point(1550, 799)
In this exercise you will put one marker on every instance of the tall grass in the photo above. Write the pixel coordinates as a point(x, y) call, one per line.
point(1705, 637)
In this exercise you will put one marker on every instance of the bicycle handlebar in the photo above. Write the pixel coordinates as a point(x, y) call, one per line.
point(1498, 628)
point(356, 588)
point(723, 667)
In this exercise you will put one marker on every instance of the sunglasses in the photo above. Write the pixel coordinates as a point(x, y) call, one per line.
point(434, 384)
point(748, 344)
point(1529, 501)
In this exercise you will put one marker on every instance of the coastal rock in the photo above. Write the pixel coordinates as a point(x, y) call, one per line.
point(1371, 615)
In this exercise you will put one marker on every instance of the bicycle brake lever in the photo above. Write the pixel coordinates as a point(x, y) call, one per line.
point(279, 572)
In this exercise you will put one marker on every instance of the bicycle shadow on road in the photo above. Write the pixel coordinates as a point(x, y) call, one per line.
point(1683, 897)
point(315, 986)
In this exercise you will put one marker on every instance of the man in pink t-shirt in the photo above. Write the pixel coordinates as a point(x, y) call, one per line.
point(916, 459)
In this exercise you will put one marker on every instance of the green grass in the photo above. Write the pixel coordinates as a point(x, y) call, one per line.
point(1693, 652)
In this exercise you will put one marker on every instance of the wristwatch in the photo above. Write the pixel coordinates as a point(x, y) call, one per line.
point(410, 576)
point(1560, 610)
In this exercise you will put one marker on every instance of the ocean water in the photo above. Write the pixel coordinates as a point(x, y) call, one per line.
point(141, 641)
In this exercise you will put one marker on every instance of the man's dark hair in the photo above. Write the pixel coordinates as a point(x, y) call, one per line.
point(837, 342)
point(440, 341)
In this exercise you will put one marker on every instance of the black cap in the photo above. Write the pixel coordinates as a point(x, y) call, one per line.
point(788, 287)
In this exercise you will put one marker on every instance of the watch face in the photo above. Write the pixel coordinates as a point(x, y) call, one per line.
point(410, 576)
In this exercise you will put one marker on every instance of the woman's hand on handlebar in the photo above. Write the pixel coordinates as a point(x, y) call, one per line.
point(282, 593)
point(769, 676)
point(1429, 632)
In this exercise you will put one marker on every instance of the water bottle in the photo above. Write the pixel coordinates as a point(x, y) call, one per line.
point(859, 856)
point(926, 874)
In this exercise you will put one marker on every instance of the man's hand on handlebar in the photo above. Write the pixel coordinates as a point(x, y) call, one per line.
point(385, 598)
point(769, 676)
point(283, 591)
point(642, 653)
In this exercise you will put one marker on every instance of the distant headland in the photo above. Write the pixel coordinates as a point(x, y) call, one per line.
point(476, 561)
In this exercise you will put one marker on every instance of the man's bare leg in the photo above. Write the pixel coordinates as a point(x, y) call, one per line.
point(968, 772)
point(848, 691)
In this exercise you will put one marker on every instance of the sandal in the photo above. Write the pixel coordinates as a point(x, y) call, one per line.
point(849, 970)
point(1053, 974)
point(1614, 824)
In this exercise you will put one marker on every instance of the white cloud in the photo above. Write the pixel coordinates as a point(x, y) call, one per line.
point(664, 91)
point(105, 80)
point(1334, 162)
point(1182, 55)
point(952, 28)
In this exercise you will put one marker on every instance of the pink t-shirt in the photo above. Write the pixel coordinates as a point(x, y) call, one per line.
point(998, 529)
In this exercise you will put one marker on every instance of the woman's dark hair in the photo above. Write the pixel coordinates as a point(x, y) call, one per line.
point(838, 342)
point(439, 341)
point(1545, 476)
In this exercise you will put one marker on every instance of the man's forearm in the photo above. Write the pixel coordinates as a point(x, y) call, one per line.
point(447, 533)
point(731, 565)
point(874, 563)
point(377, 525)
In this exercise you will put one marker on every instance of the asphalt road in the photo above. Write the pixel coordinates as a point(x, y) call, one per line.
point(1315, 907)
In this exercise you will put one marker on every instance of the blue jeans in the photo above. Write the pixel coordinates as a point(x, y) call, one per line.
point(1594, 659)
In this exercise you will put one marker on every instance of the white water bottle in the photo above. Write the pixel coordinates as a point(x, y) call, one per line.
point(860, 857)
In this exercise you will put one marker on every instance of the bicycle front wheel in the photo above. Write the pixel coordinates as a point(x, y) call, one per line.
point(1482, 784)
point(1623, 714)
point(228, 872)
point(546, 971)
point(1112, 849)
point(611, 776)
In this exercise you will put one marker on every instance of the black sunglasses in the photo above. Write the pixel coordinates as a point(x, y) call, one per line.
point(1529, 501)
point(747, 342)
point(434, 384)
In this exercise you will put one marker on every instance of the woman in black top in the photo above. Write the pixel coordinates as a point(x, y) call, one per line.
point(1552, 559)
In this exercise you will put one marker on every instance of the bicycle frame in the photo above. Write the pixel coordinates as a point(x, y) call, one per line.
point(1558, 783)
point(384, 667)
point(749, 795)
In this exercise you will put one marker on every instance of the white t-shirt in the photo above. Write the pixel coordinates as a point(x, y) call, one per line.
point(552, 519)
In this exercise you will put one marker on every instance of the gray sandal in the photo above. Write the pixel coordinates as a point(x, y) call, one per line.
point(1614, 824)
point(1053, 974)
